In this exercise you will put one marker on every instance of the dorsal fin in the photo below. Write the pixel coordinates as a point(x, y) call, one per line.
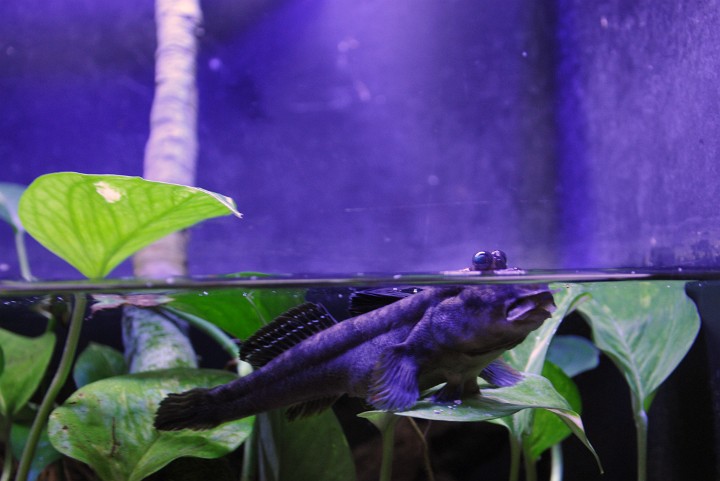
point(287, 330)
point(369, 300)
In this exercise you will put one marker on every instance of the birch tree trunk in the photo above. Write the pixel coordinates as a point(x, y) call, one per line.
point(171, 151)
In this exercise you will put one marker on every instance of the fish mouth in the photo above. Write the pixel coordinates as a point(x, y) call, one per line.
point(534, 307)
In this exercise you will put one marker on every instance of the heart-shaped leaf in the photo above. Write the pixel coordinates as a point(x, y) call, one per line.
point(95, 222)
point(109, 424)
point(25, 360)
point(646, 328)
point(98, 362)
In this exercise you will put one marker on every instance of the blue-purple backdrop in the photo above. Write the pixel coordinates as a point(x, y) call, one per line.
point(367, 135)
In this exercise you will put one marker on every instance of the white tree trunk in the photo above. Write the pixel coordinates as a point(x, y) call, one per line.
point(171, 151)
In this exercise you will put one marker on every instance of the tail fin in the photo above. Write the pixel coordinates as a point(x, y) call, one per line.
point(194, 409)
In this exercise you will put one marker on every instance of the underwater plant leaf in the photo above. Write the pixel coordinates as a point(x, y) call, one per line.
point(239, 313)
point(26, 359)
point(645, 328)
point(307, 449)
point(9, 198)
point(98, 362)
point(109, 424)
point(45, 453)
point(94, 222)
point(573, 354)
point(547, 429)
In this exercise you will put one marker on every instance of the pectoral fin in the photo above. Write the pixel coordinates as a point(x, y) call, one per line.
point(395, 385)
point(501, 374)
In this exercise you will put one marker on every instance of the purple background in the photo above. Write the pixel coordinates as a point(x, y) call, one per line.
point(393, 136)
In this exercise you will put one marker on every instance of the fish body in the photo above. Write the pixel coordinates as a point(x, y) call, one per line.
point(305, 360)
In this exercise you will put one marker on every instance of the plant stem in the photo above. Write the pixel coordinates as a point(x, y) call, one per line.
point(388, 445)
point(249, 466)
point(557, 466)
point(22, 255)
point(426, 451)
point(61, 375)
point(8, 457)
point(529, 462)
point(641, 428)
point(515, 454)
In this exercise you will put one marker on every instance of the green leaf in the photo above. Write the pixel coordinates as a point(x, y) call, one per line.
point(109, 424)
point(98, 362)
point(309, 449)
point(26, 359)
point(573, 354)
point(45, 453)
point(95, 222)
point(547, 429)
point(646, 328)
point(9, 198)
point(239, 313)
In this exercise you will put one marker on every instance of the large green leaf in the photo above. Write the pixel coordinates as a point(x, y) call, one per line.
point(309, 449)
point(98, 362)
point(239, 313)
point(95, 222)
point(109, 424)
point(646, 328)
point(26, 359)
point(9, 198)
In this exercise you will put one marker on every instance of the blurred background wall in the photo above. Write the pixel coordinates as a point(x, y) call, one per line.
point(364, 135)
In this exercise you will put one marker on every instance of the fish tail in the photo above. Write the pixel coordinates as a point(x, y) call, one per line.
point(193, 409)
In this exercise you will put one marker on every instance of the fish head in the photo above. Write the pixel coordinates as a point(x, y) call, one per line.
point(487, 318)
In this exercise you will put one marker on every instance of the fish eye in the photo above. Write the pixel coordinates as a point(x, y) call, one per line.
point(482, 261)
point(499, 259)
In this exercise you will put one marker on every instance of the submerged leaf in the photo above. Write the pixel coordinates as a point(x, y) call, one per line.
point(573, 354)
point(239, 313)
point(109, 424)
point(25, 362)
point(45, 453)
point(95, 222)
point(98, 362)
point(308, 449)
point(646, 328)
point(547, 429)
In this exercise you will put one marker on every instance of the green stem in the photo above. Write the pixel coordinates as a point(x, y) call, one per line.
point(388, 445)
point(61, 375)
point(22, 255)
point(641, 428)
point(249, 466)
point(8, 457)
point(214, 332)
point(557, 463)
point(515, 455)
point(426, 450)
point(529, 462)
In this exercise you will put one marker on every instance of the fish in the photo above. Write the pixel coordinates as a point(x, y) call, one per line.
point(305, 360)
